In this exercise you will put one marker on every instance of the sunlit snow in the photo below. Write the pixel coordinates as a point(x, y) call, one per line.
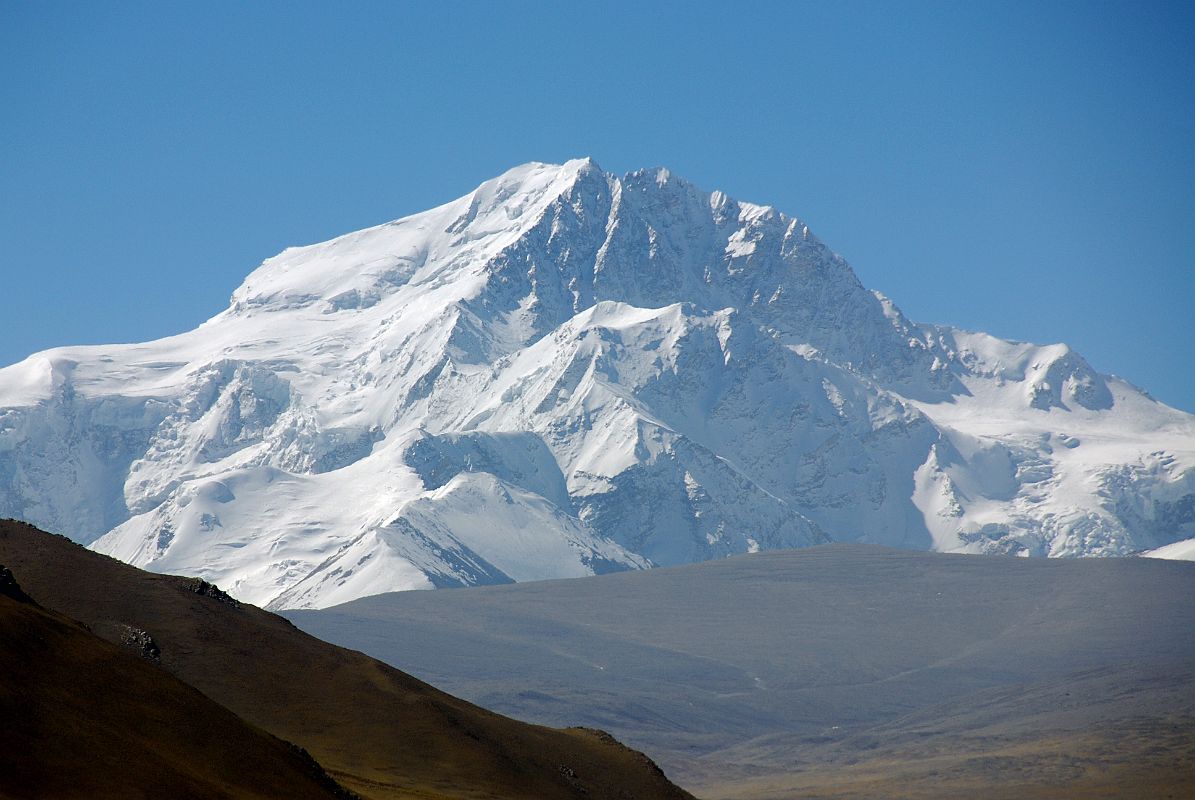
point(566, 372)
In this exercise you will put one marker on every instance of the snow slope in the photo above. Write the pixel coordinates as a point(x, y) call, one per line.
point(565, 372)
point(1176, 551)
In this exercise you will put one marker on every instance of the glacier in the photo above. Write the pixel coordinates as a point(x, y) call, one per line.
point(564, 373)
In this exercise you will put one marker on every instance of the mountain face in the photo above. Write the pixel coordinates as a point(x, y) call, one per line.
point(566, 373)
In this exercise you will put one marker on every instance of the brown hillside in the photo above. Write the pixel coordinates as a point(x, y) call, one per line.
point(378, 731)
point(83, 718)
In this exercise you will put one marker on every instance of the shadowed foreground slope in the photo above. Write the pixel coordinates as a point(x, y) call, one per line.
point(83, 718)
point(836, 671)
point(376, 730)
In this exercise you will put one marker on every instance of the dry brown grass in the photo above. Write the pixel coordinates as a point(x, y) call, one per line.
point(1149, 759)
point(83, 718)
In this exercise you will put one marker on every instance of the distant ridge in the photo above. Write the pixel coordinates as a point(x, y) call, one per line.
point(835, 671)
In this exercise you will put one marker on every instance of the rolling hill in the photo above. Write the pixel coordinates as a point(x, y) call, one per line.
point(377, 731)
point(836, 671)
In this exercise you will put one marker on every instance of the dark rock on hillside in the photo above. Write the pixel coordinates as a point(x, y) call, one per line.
point(10, 588)
point(201, 587)
point(141, 643)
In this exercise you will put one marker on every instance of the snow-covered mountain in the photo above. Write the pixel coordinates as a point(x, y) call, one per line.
point(565, 372)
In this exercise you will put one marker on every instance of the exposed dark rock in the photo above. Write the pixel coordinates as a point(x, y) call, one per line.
point(10, 588)
point(200, 586)
point(139, 640)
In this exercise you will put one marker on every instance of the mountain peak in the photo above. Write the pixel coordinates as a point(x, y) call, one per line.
point(565, 372)
point(358, 269)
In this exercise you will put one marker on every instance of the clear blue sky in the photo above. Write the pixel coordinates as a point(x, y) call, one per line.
point(1027, 169)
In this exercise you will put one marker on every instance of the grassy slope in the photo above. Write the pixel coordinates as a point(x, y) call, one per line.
point(83, 718)
point(378, 731)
